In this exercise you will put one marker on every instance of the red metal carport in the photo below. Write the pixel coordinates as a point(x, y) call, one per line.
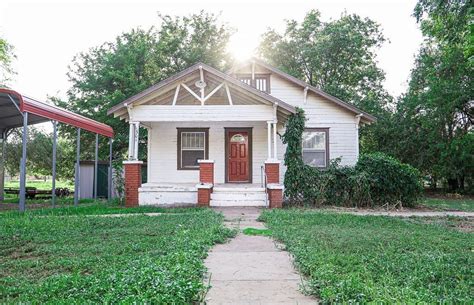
point(17, 110)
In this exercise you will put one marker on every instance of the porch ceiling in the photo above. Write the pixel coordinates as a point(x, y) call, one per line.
point(182, 90)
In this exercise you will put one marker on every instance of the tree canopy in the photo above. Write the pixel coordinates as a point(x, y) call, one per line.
point(338, 56)
point(39, 154)
point(6, 57)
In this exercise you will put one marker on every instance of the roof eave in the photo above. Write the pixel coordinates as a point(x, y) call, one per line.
point(303, 84)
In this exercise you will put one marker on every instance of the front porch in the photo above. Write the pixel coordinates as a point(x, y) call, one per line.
point(185, 194)
point(223, 173)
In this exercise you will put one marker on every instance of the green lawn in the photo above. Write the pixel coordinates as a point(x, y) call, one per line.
point(91, 259)
point(361, 259)
point(42, 185)
point(449, 204)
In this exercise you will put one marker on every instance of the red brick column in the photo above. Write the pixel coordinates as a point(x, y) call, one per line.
point(206, 171)
point(204, 194)
point(133, 180)
point(206, 182)
point(275, 195)
point(272, 170)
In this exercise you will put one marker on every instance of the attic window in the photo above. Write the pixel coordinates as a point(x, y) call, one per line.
point(261, 81)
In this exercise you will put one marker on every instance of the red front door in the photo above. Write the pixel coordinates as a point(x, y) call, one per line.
point(238, 160)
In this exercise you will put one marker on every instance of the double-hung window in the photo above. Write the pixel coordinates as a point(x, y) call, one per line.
point(193, 145)
point(316, 147)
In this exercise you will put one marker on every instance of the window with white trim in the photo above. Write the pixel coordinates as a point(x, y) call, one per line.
point(192, 147)
point(315, 147)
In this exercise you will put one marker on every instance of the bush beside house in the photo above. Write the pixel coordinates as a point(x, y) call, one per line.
point(376, 180)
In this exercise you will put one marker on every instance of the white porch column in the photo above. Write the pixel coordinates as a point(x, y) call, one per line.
point(357, 126)
point(136, 138)
point(130, 141)
point(275, 141)
point(269, 139)
point(133, 141)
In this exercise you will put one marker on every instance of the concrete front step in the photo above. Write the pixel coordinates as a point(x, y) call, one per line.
point(242, 196)
point(238, 195)
point(237, 203)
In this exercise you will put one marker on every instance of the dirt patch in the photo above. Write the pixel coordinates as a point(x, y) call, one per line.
point(443, 195)
point(419, 208)
point(463, 224)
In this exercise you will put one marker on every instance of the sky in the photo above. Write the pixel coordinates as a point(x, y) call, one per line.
point(48, 34)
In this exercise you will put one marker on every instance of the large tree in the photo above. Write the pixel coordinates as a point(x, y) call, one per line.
point(114, 71)
point(435, 116)
point(337, 56)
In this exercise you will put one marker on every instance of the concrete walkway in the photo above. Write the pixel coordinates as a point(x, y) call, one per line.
point(251, 269)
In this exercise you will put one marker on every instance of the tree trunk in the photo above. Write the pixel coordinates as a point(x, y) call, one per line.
point(452, 184)
point(461, 183)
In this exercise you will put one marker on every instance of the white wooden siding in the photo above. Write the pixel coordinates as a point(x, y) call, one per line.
point(163, 151)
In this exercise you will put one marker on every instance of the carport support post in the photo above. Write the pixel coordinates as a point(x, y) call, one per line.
point(23, 163)
point(2, 164)
point(78, 169)
point(96, 164)
point(109, 176)
point(55, 139)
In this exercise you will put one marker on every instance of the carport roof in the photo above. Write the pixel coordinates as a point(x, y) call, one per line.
point(13, 104)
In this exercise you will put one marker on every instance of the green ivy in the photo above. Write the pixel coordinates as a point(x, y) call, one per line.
point(294, 154)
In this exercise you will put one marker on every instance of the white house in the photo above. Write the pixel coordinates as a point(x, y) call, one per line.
point(214, 137)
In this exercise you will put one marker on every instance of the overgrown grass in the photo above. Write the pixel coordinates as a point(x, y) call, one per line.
point(79, 259)
point(361, 259)
point(449, 204)
point(99, 207)
point(59, 200)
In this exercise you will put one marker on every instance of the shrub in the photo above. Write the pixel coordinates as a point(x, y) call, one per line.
point(390, 180)
point(337, 185)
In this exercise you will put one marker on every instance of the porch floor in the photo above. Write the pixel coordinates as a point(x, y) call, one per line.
point(223, 194)
point(216, 185)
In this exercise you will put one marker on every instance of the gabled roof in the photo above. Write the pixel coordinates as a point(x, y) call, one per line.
point(13, 104)
point(183, 74)
point(313, 89)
